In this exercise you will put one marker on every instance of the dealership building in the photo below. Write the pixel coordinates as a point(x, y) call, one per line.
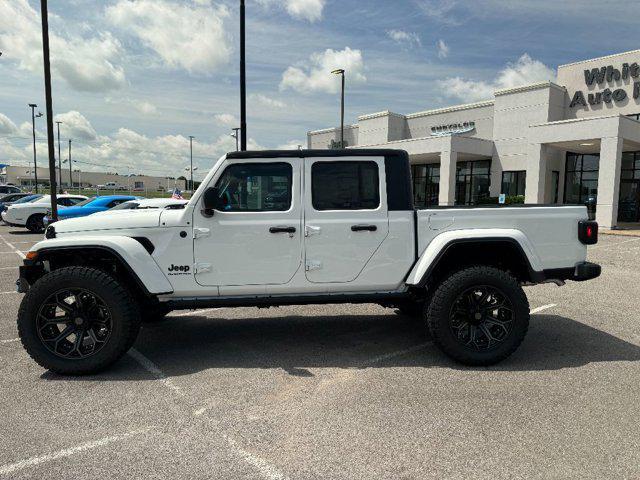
point(553, 143)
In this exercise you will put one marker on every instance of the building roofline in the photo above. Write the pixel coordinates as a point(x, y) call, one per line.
point(526, 88)
point(454, 108)
point(384, 113)
point(598, 58)
point(330, 129)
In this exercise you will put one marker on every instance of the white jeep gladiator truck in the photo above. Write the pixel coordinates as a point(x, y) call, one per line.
point(272, 228)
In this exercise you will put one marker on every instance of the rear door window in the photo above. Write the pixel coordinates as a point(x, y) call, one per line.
point(345, 185)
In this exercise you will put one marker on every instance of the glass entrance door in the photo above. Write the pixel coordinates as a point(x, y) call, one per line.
point(629, 200)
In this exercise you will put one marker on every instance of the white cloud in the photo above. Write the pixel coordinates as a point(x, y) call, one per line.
point(292, 145)
point(74, 125)
point(125, 150)
point(404, 38)
point(266, 101)
point(7, 126)
point(443, 49)
point(524, 71)
point(316, 76)
point(442, 11)
point(226, 120)
point(310, 10)
point(85, 63)
point(189, 36)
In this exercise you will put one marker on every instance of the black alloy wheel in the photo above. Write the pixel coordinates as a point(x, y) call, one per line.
point(74, 323)
point(481, 317)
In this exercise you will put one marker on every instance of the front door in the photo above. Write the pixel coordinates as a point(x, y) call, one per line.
point(345, 216)
point(255, 236)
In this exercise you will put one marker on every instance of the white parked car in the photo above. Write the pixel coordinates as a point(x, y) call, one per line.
point(271, 228)
point(31, 214)
point(145, 204)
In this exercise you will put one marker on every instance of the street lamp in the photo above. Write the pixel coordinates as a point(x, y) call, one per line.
point(33, 129)
point(243, 81)
point(191, 170)
point(70, 175)
point(340, 71)
point(59, 160)
point(235, 135)
point(191, 137)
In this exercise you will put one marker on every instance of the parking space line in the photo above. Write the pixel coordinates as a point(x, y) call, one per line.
point(152, 368)
point(193, 312)
point(67, 452)
point(267, 470)
point(12, 340)
point(398, 353)
point(542, 308)
point(13, 249)
point(9, 268)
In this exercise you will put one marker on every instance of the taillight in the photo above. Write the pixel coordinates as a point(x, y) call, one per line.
point(588, 232)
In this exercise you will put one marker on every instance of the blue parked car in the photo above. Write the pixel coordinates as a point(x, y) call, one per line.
point(89, 206)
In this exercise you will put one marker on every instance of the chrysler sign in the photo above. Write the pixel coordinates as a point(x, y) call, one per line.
point(452, 129)
point(608, 74)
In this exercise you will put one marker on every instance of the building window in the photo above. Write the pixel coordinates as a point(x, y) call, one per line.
point(345, 186)
point(472, 181)
point(513, 183)
point(581, 178)
point(426, 184)
point(629, 204)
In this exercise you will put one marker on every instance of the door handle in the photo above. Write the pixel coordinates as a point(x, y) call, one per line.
point(363, 228)
point(282, 229)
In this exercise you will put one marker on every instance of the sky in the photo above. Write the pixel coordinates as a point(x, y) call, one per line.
point(133, 79)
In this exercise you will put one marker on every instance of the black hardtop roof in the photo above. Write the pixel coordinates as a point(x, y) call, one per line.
point(359, 152)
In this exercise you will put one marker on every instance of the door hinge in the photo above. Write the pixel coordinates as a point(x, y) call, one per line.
point(312, 265)
point(311, 230)
point(202, 267)
point(201, 232)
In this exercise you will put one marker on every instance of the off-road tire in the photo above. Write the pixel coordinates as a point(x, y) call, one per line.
point(125, 319)
point(439, 311)
point(35, 223)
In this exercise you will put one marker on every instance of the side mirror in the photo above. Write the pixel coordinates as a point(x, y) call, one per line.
point(209, 201)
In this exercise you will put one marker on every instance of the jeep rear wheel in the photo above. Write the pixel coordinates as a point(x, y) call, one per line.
point(479, 315)
point(77, 321)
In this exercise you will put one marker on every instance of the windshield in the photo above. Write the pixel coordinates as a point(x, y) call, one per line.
point(85, 202)
point(29, 198)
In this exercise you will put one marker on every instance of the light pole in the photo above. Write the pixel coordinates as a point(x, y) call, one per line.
point(59, 160)
point(33, 129)
point(191, 137)
point(70, 174)
point(340, 71)
point(243, 82)
point(44, 15)
point(235, 135)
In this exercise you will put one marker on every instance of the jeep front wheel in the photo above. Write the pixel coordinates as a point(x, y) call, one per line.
point(77, 321)
point(479, 315)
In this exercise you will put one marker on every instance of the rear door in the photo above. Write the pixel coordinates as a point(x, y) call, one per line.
point(346, 216)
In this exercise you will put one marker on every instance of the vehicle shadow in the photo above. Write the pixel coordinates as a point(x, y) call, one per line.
point(187, 345)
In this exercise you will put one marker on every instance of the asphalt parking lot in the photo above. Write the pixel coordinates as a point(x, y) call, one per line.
point(337, 392)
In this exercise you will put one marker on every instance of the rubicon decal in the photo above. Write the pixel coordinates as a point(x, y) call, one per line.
point(179, 269)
